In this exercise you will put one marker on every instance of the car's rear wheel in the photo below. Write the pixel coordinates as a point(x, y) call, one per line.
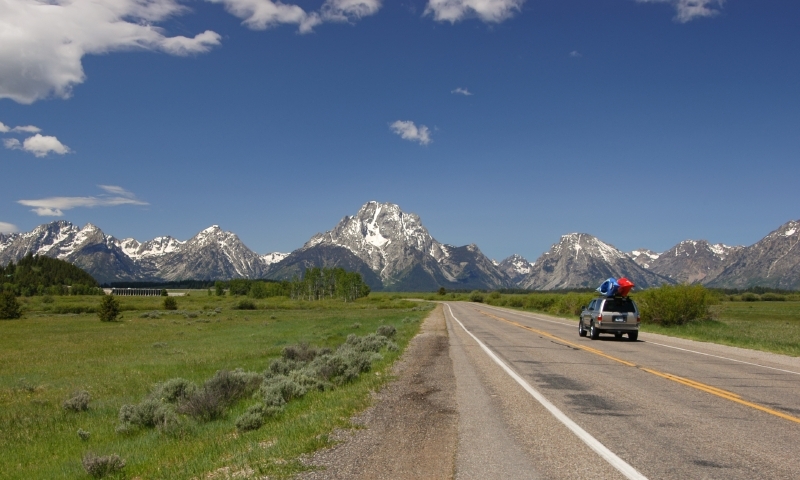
point(632, 336)
point(581, 330)
point(594, 332)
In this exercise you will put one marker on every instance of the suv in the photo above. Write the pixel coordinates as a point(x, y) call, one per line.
point(617, 315)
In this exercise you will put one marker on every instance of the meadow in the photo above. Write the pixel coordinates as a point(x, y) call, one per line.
point(45, 357)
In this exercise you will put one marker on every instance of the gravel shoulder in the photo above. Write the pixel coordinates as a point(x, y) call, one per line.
point(411, 431)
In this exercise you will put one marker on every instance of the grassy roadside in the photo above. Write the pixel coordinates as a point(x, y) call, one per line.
point(770, 326)
point(44, 357)
point(766, 326)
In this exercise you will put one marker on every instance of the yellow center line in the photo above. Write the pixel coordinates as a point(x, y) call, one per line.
point(683, 381)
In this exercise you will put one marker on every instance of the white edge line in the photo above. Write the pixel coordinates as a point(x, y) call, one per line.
point(534, 317)
point(724, 358)
point(621, 465)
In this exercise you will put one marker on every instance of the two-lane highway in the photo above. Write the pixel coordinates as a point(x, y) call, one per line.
point(578, 408)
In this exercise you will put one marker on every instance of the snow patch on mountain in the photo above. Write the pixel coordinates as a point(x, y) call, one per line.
point(273, 257)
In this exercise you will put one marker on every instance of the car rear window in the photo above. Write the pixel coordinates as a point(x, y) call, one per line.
point(622, 305)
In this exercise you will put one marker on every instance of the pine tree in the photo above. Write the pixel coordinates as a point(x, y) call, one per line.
point(109, 308)
point(9, 306)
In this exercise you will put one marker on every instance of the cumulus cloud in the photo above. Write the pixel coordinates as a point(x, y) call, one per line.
point(409, 131)
point(688, 10)
point(42, 42)
point(27, 129)
point(575, 54)
point(8, 228)
point(263, 14)
point(489, 11)
point(55, 206)
point(39, 145)
point(462, 91)
point(4, 128)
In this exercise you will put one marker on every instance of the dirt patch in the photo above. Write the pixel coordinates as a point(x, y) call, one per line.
point(411, 431)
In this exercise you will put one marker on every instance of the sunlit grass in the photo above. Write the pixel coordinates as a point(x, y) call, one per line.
point(44, 358)
point(768, 326)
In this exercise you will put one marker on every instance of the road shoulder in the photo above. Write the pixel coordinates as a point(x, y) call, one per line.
point(411, 430)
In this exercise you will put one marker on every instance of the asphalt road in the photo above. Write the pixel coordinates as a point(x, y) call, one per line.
point(655, 408)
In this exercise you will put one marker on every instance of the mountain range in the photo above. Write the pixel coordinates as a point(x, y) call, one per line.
point(394, 251)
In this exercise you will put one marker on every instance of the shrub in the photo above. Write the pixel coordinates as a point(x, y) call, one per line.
point(773, 297)
point(77, 309)
point(278, 390)
point(174, 390)
point(9, 306)
point(355, 326)
point(675, 304)
point(83, 434)
point(79, 402)
point(99, 467)
point(204, 404)
point(233, 385)
point(387, 331)
point(476, 296)
point(442, 291)
point(302, 352)
point(225, 387)
point(750, 297)
point(516, 301)
point(109, 308)
point(253, 418)
point(170, 303)
point(164, 292)
point(245, 305)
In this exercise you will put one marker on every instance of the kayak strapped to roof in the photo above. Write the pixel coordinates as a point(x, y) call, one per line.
point(613, 287)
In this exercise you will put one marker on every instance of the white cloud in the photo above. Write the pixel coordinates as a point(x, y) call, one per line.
point(39, 145)
point(55, 206)
point(575, 54)
point(490, 11)
point(462, 91)
point(8, 228)
point(409, 131)
point(42, 42)
point(4, 128)
point(27, 129)
point(116, 190)
point(688, 10)
point(263, 14)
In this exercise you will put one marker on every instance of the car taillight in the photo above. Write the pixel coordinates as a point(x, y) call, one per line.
point(638, 319)
point(600, 318)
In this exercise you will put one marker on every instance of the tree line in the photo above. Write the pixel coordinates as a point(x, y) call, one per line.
point(315, 284)
point(40, 275)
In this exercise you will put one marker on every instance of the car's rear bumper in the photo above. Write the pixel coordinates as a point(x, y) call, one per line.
point(619, 328)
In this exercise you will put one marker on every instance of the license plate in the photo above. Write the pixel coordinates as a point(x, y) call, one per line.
point(620, 318)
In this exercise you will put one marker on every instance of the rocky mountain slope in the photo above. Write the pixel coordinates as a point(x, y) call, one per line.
point(644, 257)
point(393, 250)
point(692, 261)
point(773, 261)
point(516, 267)
point(399, 250)
point(211, 254)
point(580, 260)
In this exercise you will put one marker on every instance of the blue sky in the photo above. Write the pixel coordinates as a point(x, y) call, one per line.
point(504, 123)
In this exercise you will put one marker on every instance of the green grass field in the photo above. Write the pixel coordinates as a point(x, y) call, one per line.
point(45, 357)
point(768, 326)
